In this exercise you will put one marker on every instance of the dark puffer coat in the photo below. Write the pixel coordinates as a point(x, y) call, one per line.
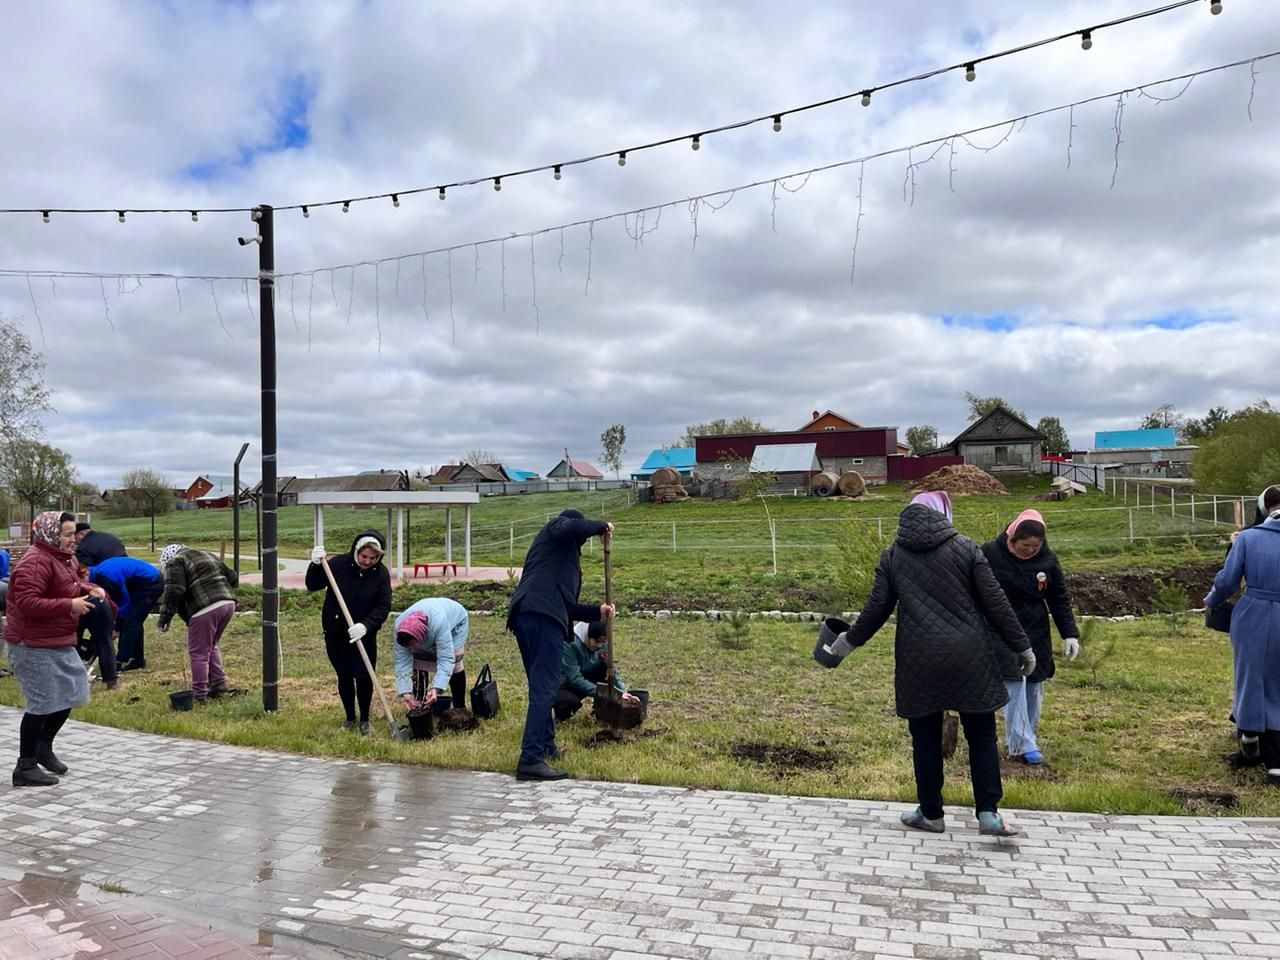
point(552, 576)
point(367, 592)
point(945, 594)
point(1031, 604)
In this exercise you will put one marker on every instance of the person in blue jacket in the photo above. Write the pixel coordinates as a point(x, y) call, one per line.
point(542, 609)
point(430, 639)
point(136, 586)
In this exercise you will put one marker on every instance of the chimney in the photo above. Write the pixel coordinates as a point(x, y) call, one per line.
point(815, 416)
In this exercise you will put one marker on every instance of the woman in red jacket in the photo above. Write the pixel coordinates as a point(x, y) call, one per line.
point(45, 603)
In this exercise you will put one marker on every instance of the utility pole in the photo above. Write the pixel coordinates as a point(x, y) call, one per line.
point(264, 216)
point(235, 522)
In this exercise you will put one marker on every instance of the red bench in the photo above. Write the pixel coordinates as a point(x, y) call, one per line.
point(445, 568)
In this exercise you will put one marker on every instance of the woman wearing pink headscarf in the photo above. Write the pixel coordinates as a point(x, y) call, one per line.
point(46, 600)
point(1033, 581)
point(945, 595)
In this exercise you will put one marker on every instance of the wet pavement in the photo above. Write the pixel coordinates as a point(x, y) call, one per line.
point(329, 857)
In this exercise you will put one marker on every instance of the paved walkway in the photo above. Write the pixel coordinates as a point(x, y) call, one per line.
point(381, 860)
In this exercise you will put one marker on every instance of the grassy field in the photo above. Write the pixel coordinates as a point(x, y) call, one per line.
point(1140, 731)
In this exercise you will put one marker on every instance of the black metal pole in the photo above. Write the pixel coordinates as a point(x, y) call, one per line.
point(235, 521)
point(270, 568)
point(257, 528)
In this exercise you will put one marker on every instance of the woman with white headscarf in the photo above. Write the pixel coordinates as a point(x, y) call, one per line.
point(45, 602)
point(945, 595)
point(1255, 631)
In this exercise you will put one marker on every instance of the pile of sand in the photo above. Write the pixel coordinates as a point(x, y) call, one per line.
point(960, 480)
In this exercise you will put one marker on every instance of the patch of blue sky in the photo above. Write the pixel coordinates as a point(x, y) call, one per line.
point(994, 323)
point(291, 132)
point(1183, 320)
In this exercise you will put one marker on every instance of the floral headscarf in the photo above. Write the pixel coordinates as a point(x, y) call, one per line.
point(171, 551)
point(47, 528)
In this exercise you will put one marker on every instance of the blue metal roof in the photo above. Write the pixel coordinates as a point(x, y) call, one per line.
point(1123, 439)
point(518, 475)
point(677, 458)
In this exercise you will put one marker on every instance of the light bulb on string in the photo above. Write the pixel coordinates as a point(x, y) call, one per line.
point(556, 171)
point(866, 98)
point(622, 158)
point(120, 215)
point(395, 200)
point(346, 206)
point(44, 215)
point(1216, 7)
point(497, 183)
point(696, 142)
point(441, 193)
point(306, 214)
point(1086, 40)
point(195, 216)
point(969, 72)
point(777, 123)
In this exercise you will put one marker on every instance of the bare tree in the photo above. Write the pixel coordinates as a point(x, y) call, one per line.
point(477, 457)
point(24, 399)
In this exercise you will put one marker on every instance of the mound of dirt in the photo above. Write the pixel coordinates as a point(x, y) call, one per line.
point(784, 756)
point(1133, 592)
point(959, 480)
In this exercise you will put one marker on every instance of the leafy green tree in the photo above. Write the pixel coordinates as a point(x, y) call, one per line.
point(1242, 455)
point(143, 492)
point(979, 407)
point(720, 427)
point(1055, 437)
point(614, 441)
point(36, 473)
point(922, 439)
point(23, 395)
point(1196, 430)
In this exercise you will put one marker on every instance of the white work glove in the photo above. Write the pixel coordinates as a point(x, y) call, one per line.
point(1071, 647)
point(1027, 662)
point(842, 647)
point(357, 631)
point(317, 554)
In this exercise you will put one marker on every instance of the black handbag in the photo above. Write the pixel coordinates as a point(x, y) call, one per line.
point(1219, 617)
point(484, 695)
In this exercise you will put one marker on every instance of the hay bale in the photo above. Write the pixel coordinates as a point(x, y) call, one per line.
point(823, 484)
point(664, 476)
point(851, 484)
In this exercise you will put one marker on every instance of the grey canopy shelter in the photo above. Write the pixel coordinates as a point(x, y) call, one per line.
point(398, 501)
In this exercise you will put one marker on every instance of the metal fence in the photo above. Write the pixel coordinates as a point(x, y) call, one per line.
point(530, 486)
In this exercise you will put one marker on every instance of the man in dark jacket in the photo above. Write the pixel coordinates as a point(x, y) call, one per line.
point(542, 610)
point(200, 589)
point(943, 659)
point(94, 546)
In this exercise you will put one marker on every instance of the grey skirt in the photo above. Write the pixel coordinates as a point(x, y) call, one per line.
point(52, 678)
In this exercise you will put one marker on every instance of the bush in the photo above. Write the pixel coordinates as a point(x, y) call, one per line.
point(858, 550)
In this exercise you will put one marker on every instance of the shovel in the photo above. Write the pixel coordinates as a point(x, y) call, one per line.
point(610, 708)
point(397, 732)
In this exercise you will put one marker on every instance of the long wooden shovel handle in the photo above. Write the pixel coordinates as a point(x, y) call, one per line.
point(606, 542)
point(342, 605)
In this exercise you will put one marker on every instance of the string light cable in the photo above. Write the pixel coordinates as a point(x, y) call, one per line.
point(773, 117)
point(1009, 124)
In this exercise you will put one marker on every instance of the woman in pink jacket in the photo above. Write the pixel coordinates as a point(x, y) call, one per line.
point(45, 602)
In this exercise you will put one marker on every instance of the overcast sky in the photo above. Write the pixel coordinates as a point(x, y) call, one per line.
point(1005, 271)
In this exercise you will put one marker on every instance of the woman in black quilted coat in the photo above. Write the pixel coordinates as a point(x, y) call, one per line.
point(945, 595)
point(1032, 579)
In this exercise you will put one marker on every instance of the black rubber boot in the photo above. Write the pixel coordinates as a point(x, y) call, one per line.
point(27, 774)
point(46, 758)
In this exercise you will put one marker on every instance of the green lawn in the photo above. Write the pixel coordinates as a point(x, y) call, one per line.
point(1152, 722)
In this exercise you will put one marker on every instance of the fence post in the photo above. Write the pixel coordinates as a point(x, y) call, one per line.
point(1131, 525)
point(511, 541)
point(1173, 498)
point(1215, 509)
point(1193, 510)
point(879, 528)
point(1126, 491)
point(1137, 496)
point(773, 541)
point(673, 536)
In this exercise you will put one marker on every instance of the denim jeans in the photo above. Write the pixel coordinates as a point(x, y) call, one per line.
point(1022, 716)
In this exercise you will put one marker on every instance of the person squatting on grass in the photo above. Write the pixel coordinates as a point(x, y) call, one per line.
point(135, 586)
point(1032, 579)
point(542, 609)
point(1255, 632)
point(431, 637)
point(200, 589)
point(582, 666)
point(945, 595)
point(45, 602)
point(365, 583)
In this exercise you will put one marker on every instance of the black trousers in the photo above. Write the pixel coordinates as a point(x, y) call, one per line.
point(984, 761)
point(569, 701)
point(1268, 744)
point(457, 686)
point(100, 625)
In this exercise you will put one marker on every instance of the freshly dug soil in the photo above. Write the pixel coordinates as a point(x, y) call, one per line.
point(1017, 770)
point(959, 480)
point(784, 756)
point(1198, 798)
point(621, 736)
point(1132, 592)
point(457, 718)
